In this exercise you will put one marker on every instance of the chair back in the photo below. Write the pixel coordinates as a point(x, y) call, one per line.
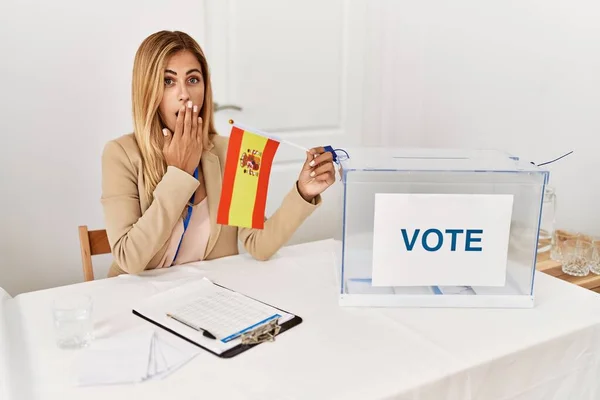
point(91, 244)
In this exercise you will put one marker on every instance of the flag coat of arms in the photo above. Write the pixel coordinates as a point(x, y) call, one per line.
point(246, 179)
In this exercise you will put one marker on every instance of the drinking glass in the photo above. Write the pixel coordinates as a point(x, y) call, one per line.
point(576, 257)
point(559, 238)
point(73, 324)
point(595, 262)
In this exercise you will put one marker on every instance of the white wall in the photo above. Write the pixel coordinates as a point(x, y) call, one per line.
point(523, 76)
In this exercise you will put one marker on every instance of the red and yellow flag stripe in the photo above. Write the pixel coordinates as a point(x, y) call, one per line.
point(246, 179)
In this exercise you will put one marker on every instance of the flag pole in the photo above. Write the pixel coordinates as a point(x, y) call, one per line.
point(268, 135)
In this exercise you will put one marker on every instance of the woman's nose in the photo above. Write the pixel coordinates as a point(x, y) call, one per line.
point(184, 95)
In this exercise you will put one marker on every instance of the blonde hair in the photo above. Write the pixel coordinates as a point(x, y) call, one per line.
point(147, 90)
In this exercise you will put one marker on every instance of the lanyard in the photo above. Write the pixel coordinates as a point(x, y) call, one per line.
point(186, 219)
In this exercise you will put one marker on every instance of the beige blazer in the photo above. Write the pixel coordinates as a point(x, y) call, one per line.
point(139, 231)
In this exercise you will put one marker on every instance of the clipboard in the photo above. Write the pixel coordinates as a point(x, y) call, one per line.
point(263, 333)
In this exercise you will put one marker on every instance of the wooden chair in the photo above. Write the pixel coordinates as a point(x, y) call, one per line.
point(91, 243)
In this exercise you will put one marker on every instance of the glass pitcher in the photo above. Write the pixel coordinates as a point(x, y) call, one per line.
point(546, 238)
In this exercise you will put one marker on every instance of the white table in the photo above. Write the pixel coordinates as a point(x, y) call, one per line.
point(549, 352)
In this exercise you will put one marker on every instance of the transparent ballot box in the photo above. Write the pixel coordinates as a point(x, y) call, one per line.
point(438, 228)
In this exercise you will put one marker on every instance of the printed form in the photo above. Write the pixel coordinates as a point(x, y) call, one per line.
point(202, 306)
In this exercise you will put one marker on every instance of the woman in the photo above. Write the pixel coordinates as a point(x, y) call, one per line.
point(174, 156)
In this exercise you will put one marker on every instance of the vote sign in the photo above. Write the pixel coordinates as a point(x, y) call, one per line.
point(441, 239)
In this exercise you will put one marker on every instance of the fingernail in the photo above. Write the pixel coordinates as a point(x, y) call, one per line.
point(312, 163)
point(189, 104)
point(195, 108)
point(312, 174)
point(165, 132)
point(200, 119)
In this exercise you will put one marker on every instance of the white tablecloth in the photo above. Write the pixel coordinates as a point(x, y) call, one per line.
point(549, 352)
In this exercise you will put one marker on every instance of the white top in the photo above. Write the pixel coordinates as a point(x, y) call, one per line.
point(550, 351)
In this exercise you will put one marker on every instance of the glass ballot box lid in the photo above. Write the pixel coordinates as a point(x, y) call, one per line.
point(437, 228)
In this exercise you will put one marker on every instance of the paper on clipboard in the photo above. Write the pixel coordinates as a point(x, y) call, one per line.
point(223, 312)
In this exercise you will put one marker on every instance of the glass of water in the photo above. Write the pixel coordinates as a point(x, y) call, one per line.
point(73, 322)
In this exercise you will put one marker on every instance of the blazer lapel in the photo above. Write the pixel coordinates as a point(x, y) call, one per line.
point(213, 181)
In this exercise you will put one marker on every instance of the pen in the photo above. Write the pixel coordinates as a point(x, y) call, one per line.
point(205, 333)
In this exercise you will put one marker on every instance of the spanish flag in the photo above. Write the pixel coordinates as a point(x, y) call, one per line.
point(246, 179)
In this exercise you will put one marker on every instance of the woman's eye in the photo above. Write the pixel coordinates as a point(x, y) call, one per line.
point(168, 81)
point(194, 80)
